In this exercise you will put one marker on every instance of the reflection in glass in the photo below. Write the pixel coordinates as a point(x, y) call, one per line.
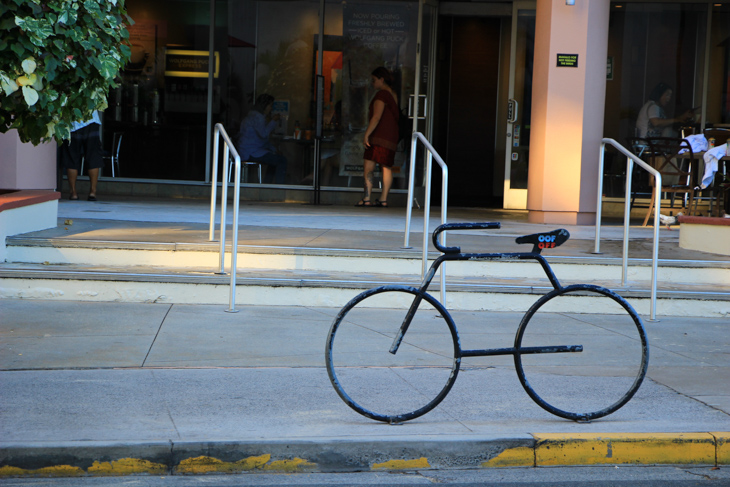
point(523, 95)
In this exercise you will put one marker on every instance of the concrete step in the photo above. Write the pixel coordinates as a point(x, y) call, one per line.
point(303, 285)
point(206, 257)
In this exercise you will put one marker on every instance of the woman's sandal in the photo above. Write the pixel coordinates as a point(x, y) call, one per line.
point(362, 203)
point(381, 204)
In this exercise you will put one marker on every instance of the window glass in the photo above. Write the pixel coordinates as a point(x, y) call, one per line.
point(157, 117)
point(718, 91)
point(282, 61)
point(649, 44)
point(652, 43)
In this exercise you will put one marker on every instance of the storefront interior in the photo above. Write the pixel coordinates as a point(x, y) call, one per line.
point(474, 58)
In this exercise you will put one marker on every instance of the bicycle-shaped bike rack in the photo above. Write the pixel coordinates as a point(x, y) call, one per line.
point(391, 359)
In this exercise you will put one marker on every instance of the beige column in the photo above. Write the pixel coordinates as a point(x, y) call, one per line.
point(567, 111)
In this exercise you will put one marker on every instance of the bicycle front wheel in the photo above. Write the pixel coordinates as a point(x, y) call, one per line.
point(381, 385)
point(579, 365)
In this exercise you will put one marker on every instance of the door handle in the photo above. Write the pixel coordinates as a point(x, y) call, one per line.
point(512, 108)
point(422, 103)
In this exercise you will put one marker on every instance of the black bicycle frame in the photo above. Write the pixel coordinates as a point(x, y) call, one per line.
point(454, 254)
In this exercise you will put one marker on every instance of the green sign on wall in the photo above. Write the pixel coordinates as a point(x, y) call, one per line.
point(567, 60)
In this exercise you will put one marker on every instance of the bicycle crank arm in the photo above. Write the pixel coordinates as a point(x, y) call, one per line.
point(522, 350)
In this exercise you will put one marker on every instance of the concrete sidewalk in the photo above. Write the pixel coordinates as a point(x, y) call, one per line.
point(115, 388)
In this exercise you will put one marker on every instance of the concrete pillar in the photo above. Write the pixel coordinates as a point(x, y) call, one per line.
point(567, 111)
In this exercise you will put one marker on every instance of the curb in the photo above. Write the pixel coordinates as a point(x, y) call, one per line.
point(556, 449)
point(196, 458)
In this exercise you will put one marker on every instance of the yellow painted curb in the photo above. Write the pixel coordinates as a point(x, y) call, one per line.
point(203, 464)
point(191, 466)
point(126, 466)
point(624, 448)
point(293, 465)
point(521, 456)
point(722, 442)
point(8, 471)
point(55, 471)
point(402, 464)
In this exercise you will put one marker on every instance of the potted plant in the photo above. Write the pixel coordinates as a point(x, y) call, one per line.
point(58, 60)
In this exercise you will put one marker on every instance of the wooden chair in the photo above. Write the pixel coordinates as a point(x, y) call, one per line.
point(678, 172)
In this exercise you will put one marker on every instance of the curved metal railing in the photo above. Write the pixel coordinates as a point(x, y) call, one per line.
point(431, 154)
point(229, 150)
point(630, 160)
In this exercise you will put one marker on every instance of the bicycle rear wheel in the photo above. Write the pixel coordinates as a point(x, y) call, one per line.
point(599, 379)
point(392, 387)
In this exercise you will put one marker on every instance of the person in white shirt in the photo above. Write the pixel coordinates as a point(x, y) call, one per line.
point(652, 120)
point(85, 145)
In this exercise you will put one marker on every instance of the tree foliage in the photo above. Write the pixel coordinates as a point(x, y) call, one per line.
point(58, 60)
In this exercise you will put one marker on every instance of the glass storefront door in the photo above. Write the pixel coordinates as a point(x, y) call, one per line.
point(358, 37)
point(418, 92)
point(520, 105)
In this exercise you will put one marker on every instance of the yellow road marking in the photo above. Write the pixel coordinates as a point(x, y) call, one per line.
point(521, 456)
point(624, 448)
point(403, 464)
point(126, 466)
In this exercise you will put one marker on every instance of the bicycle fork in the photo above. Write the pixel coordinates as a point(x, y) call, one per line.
point(416, 303)
point(406, 323)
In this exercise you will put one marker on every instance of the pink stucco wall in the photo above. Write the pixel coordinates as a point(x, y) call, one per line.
point(24, 166)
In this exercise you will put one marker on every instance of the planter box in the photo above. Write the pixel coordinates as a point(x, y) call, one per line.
point(26, 211)
point(705, 234)
point(28, 200)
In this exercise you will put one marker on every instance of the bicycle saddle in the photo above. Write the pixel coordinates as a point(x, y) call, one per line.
point(548, 240)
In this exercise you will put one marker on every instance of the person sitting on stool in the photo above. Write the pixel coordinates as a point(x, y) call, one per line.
point(253, 139)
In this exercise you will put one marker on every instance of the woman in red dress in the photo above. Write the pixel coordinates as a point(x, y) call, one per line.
point(381, 136)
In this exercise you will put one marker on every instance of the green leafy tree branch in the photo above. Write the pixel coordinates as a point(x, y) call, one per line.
point(58, 60)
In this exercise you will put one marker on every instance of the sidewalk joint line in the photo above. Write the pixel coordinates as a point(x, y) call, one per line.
point(326, 231)
point(156, 335)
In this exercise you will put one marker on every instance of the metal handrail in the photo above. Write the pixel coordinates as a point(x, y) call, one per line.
point(427, 202)
point(228, 150)
point(630, 160)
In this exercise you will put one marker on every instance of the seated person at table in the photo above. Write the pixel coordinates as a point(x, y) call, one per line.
point(652, 121)
point(253, 139)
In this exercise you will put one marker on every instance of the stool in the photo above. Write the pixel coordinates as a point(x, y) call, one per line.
point(245, 165)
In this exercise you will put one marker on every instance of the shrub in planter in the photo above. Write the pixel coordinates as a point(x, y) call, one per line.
point(58, 60)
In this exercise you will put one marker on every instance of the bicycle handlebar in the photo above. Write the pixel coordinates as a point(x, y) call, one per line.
point(459, 226)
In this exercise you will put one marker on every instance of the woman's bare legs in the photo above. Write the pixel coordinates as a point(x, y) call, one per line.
point(368, 177)
point(387, 183)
